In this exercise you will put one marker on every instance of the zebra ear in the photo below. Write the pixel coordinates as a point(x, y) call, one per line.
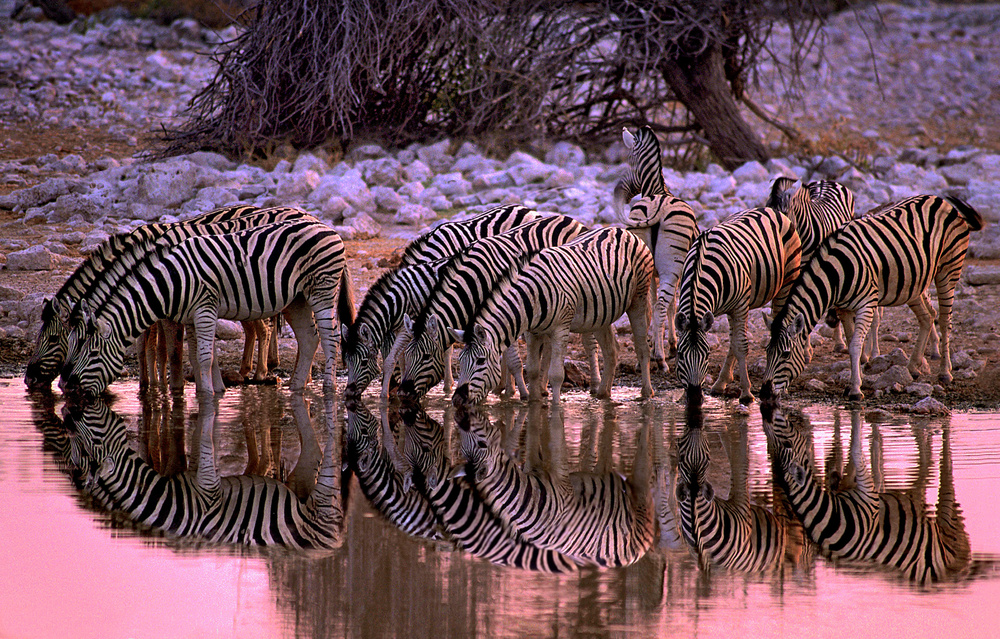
point(343, 332)
point(706, 321)
point(479, 333)
point(681, 322)
point(768, 321)
point(627, 137)
point(407, 322)
point(103, 328)
point(107, 467)
point(797, 473)
point(682, 492)
point(457, 335)
point(458, 471)
point(707, 492)
point(365, 332)
point(799, 325)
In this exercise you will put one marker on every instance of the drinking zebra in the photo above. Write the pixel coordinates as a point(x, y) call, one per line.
point(598, 518)
point(291, 267)
point(462, 286)
point(741, 264)
point(243, 509)
point(460, 509)
point(582, 286)
point(852, 520)
point(405, 290)
point(887, 259)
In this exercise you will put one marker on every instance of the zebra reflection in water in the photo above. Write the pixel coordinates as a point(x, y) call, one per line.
point(854, 519)
point(202, 505)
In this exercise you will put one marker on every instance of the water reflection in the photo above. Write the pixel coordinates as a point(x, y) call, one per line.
point(200, 505)
point(853, 519)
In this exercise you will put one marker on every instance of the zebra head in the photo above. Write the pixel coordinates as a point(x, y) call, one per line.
point(423, 446)
point(479, 365)
point(358, 351)
point(99, 444)
point(786, 354)
point(692, 349)
point(50, 345)
point(98, 359)
point(480, 442)
point(361, 433)
point(694, 491)
point(780, 197)
point(788, 447)
point(423, 358)
point(645, 174)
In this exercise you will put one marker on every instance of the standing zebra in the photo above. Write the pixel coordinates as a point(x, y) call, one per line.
point(852, 520)
point(462, 286)
point(244, 509)
point(740, 264)
point(598, 518)
point(461, 510)
point(731, 533)
point(888, 259)
point(404, 290)
point(382, 485)
point(293, 267)
point(665, 223)
point(582, 286)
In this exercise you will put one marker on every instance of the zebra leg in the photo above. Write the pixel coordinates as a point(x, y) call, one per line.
point(946, 296)
point(656, 326)
point(249, 339)
point(738, 336)
point(173, 337)
point(272, 344)
point(533, 366)
point(326, 327)
point(300, 318)
point(557, 362)
point(515, 369)
point(143, 349)
point(161, 351)
point(197, 370)
point(609, 349)
point(209, 379)
point(918, 363)
point(449, 380)
point(935, 340)
point(637, 313)
point(862, 321)
point(263, 328)
point(590, 348)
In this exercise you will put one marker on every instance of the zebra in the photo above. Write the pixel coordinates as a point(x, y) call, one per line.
point(582, 286)
point(460, 509)
point(668, 226)
point(731, 533)
point(852, 520)
point(742, 263)
point(462, 285)
point(244, 509)
point(404, 290)
point(380, 482)
point(887, 259)
point(599, 519)
point(294, 267)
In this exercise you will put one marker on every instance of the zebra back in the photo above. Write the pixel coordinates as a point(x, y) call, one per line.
point(449, 238)
point(645, 174)
point(817, 209)
point(380, 482)
point(460, 508)
point(462, 285)
point(598, 519)
point(884, 259)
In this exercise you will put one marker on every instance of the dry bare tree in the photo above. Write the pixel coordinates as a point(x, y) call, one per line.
point(307, 71)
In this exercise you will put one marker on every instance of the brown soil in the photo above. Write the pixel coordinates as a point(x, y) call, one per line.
point(369, 258)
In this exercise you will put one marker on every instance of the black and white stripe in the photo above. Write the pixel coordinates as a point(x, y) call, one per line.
point(244, 509)
point(645, 174)
point(596, 519)
point(460, 509)
point(582, 286)
point(887, 259)
point(740, 264)
point(449, 238)
point(462, 286)
point(295, 267)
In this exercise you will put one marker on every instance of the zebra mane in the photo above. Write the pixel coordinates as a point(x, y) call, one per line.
point(507, 277)
point(698, 247)
point(377, 290)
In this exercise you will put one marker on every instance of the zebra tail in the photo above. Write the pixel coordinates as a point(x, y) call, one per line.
point(972, 216)
point(778, 200)
point(346, 310)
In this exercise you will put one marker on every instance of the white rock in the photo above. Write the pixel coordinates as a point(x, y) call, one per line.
point(452, 184)
point(387, 199)
point(752, 171)
point(414, 215)
point(565, 154)
point(35, 258)
point(417, 171)
point(384, 172)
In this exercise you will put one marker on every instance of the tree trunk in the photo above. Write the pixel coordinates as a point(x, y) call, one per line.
point(700, 83)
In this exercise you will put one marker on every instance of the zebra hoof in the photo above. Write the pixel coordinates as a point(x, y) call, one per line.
point(945, 378)
point(746, 400)
point(854, 397)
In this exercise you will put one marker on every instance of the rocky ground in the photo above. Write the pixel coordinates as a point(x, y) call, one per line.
point(80, 100)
